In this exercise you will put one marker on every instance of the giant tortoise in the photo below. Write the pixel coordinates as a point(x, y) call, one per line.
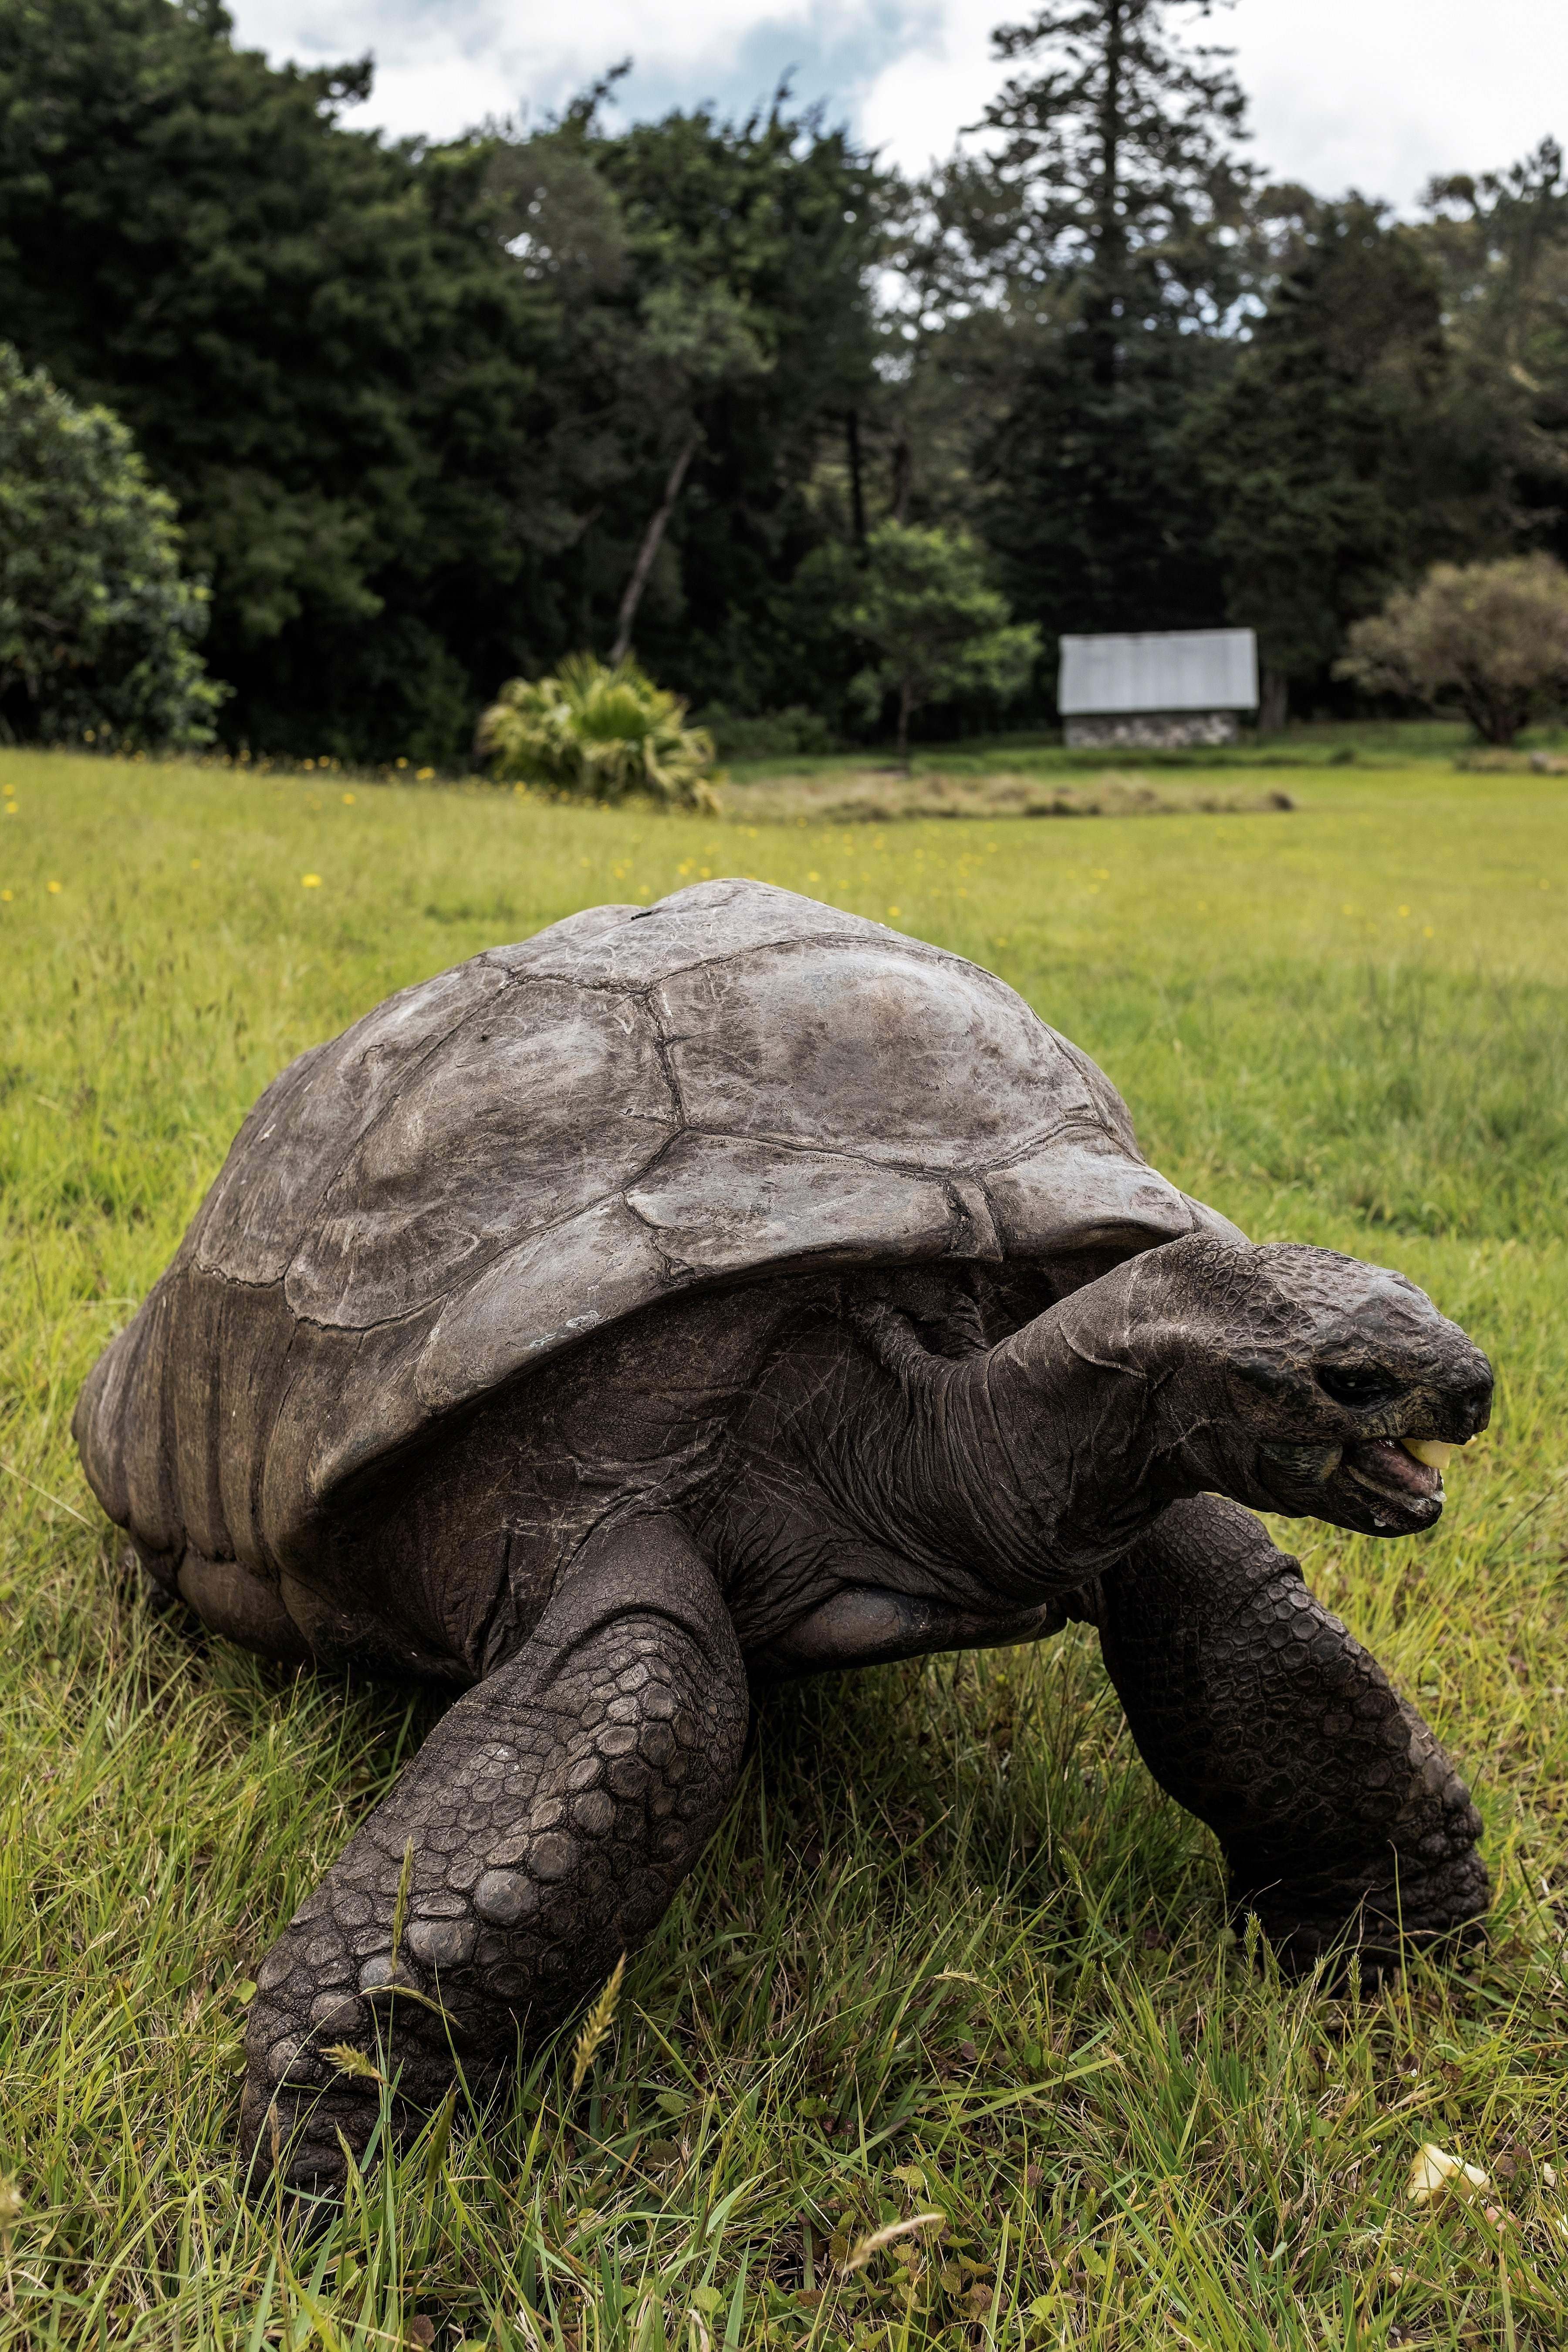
point(727, 1290)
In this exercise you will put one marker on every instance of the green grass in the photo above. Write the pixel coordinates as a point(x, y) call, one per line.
point(1393, 743)
point(952, 1951)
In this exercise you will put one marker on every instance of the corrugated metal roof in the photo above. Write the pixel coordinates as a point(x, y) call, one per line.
point(1168, 669)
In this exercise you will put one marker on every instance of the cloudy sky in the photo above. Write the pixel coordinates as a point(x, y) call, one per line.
point(1375, 93)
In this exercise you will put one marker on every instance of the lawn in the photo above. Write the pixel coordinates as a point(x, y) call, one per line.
point(952, 1953)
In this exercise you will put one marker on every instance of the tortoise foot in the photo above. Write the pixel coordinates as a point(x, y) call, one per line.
point(1380, 1915)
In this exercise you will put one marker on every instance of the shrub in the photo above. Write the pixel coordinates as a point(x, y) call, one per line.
point(97, 629)
point(601, 732)
point(775, 735)
point(1495, 635)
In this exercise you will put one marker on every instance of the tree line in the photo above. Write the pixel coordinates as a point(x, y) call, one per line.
point(437, 415)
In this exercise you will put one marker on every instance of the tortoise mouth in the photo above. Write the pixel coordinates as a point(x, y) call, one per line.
point(1396, 1481)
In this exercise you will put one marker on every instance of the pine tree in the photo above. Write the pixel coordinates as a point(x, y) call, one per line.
point(1120, 143)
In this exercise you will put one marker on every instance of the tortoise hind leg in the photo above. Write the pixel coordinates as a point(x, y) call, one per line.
point(541, 1831)
point(1341, 1819)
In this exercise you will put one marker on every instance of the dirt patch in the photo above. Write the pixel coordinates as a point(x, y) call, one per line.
point(882, 796)
point(1491, 760)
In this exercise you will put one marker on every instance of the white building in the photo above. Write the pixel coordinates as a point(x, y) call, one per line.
point(1167, 690)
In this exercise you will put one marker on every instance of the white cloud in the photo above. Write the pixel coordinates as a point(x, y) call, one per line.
point(441, 68)
point(1381, 93)
point(920, 100)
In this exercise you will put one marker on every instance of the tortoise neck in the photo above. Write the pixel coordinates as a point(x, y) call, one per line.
point(1038, 1462)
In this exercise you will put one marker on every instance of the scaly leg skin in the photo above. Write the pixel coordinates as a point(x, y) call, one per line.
point(552, 1813)
point(1341, 1819)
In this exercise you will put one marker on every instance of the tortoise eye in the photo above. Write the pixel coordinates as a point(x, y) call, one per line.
point(1363, 1387)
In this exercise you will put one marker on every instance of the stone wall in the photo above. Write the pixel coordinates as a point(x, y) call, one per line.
point(1153, 731)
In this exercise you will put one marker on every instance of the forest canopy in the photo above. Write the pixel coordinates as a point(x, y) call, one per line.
point(435, 415)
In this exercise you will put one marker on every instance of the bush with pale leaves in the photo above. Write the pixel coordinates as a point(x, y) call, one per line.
point(1491, 637)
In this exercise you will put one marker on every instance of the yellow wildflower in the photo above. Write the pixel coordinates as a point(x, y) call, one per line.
point(56, 887)
point(309, 881)
point(348, 799)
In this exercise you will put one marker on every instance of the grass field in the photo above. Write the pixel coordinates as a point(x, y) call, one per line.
point(952, 1953)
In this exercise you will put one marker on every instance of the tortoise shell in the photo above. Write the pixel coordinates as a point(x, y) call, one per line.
point(552, 1136)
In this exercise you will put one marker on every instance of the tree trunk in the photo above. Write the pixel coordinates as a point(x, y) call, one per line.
point(906, 699)
point(1274, 706)
point(651, 538)
point(856, 494)
point(903, 474)
point(1496, 712)
point(1110, 234)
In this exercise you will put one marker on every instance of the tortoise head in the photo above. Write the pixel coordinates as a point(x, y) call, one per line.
point(1289, 1378)
point(1346, 1390)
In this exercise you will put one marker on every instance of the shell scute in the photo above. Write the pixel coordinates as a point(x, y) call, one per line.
point(249, 1226)
point(708, 925)
point(1079, 1190)
point(541, 1103)
point(719, 1204)
point(779, 1042)
point(548, 1289)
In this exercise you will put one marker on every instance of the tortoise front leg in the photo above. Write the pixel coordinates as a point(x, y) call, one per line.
point(546, 1823)
point(1340, 1817)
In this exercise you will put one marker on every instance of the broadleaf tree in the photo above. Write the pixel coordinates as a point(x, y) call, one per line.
point(408, 397)
point(924, 606)
point(768, 226)
point(99, 625)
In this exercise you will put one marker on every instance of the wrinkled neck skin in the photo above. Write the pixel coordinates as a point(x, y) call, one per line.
point(992, 1481)
point(1032, 1466)
point(1117, 1402)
